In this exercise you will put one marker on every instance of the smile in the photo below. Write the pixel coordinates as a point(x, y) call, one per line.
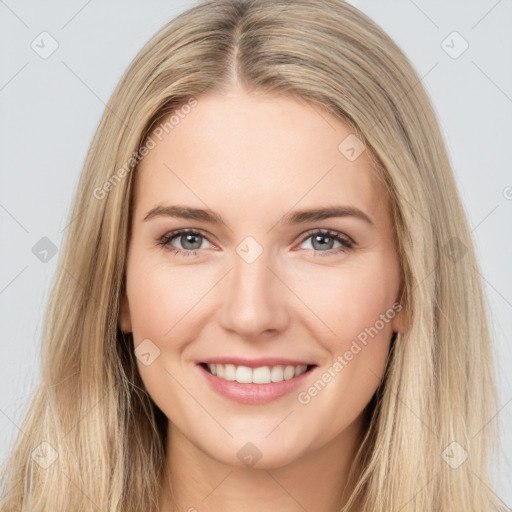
point(255, 382)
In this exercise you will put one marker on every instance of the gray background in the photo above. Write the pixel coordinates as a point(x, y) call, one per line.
point(50, 109)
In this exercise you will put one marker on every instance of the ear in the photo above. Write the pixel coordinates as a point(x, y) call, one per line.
point(124, 321)
point(399, 322)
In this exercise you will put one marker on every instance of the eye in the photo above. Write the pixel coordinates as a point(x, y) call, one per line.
point(191, 241)
point(322, 242)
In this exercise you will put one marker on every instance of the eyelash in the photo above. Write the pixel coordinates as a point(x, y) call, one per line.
point(346, 242)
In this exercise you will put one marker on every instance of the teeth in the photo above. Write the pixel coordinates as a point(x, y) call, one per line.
point(289, 372)
point(229, 372)
point(243, 374)
point(260, 375)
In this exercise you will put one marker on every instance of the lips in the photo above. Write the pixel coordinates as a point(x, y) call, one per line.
point(255, 381)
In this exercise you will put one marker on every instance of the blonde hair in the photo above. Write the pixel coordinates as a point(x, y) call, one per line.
point(91, 406)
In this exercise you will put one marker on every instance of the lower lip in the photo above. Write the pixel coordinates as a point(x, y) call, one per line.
point(253, 393)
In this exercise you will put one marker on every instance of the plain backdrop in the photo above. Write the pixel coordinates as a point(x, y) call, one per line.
point(50, 106)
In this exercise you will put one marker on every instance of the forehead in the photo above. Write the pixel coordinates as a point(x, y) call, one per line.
point(248, 152)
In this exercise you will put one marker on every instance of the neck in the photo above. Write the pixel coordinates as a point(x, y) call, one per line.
point(320, 480)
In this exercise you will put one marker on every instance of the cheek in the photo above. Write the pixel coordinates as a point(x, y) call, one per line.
point(358, 306)
point(162, 312)
point(164, 303)
point(165, 299)
point(350, 300)
point(359, 309)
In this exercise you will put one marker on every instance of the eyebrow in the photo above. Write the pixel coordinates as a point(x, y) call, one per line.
point(292, 218)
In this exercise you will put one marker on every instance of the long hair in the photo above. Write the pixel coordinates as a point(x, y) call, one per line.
point(93, 438)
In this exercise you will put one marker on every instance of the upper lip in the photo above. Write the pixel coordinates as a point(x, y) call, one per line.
point(255, 363)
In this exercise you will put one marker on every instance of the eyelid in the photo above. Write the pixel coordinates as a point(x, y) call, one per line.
point(329, 233)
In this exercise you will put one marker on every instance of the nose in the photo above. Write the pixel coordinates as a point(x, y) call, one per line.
point(254, 299)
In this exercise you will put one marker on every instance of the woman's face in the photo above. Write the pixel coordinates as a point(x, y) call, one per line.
point(257, 284)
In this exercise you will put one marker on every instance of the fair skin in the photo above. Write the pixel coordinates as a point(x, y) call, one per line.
point(251, 159)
